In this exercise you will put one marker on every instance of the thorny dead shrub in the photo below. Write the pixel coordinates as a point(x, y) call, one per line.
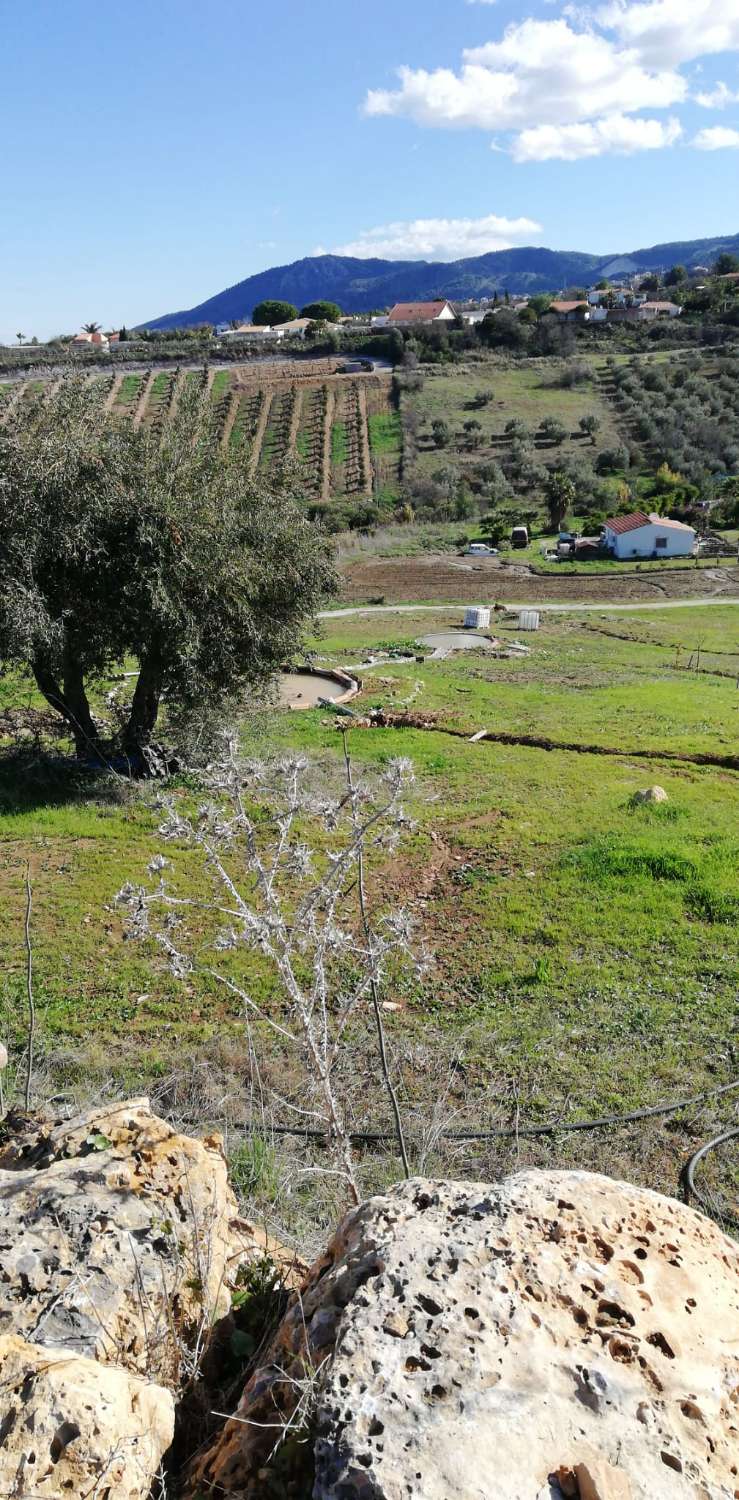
point(302, 908)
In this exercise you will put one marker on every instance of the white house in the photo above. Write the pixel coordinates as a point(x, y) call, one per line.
point(294, 329)
point(405, 314)
point(639, 535)
point(248, 332)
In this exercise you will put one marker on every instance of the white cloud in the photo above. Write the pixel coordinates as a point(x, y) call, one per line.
point(616, 135)
point(670, 32)
point(442, 239)
point(541, 71)
point(565, 87)
point(716, 138)
point(718, 98)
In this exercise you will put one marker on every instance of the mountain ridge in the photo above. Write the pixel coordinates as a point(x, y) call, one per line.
point(359, 285)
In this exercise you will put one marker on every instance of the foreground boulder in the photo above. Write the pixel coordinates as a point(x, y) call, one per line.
point(69, 1426)
point(116, 1237)
point(118, 1243)
point(560, 1334)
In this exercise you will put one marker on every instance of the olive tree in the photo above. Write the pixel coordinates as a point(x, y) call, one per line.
point(118, 544)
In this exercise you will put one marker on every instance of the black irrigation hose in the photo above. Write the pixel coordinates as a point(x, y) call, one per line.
point(687, 1176)
point(371, 1137)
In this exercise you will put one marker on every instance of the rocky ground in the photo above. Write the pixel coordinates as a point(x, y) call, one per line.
point(556, 1336)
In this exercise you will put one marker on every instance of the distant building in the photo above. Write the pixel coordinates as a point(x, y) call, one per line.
point(95, 340)
point(294, 329)
point(640, 535)
point(248, 332)
point(650, 310)
point(570, 311)
point(406, 314)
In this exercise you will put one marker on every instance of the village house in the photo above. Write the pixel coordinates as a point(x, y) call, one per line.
point(294, 329)
point(570, 311)
point(650, 310)
point(407, 314)
point(640, 535)
point(249, 332)
point(97, 340)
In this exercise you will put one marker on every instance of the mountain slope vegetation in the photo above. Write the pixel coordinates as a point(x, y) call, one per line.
point(360, 285)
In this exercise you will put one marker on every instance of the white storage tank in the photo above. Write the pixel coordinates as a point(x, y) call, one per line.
point(528, 619)
point(476, 618)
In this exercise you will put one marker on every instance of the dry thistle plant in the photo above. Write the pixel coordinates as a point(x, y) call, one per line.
point(304, 909)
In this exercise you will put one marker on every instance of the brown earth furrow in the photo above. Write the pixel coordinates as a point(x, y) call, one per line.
point(261, 429)
point(113, 392)
point(294, 423)
point(364, 439)
point(233, 406)
point(141, 404)
point(327, 425)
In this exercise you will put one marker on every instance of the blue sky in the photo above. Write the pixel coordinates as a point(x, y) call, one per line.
point(160, 150)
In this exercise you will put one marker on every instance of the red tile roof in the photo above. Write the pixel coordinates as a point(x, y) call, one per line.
point(565, 307)
point(628, 523)
point(409, 312)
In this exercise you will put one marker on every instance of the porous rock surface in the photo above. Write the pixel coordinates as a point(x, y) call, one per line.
point(115, 1233)
point(71, 1428)
point(560, 1334)
point(118, 1240)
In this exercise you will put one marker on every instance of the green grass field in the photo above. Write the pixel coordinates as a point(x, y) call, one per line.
point(582, 953)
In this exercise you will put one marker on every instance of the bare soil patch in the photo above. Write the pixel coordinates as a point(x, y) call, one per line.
point(441, 577)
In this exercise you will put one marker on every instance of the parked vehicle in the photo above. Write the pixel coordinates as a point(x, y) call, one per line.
point(520, 536)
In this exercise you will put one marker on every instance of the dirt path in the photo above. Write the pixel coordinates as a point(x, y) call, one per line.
point(259, 434)
point(417, 609)
point(233, 406)
point(143, 399)
point(364, 439)
point(178, 385)
point(328, 423)
point(292, 437)
point(113, 392)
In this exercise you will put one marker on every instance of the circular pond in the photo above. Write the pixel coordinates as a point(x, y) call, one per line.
point(304, 689)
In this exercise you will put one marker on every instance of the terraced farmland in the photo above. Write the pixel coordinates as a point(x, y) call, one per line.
point(343, 433)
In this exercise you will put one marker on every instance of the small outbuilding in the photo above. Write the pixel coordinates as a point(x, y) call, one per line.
point(646, 536)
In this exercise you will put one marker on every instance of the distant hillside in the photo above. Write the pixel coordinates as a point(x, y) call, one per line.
point(359, 285)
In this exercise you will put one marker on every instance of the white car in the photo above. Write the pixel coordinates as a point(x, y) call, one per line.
point(481, 549)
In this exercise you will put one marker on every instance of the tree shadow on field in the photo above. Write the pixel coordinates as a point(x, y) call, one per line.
point(35, 775)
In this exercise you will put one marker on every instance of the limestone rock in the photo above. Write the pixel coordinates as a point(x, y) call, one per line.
point(116, 1238)
point(71, 1427)
point(651, 794)
point(560, 1333)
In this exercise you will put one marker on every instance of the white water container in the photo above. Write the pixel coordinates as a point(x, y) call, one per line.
point(528, 619)
point(476, 618)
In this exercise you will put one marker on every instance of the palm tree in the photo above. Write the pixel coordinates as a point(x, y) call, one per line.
point(20, 337)
point(90, 327)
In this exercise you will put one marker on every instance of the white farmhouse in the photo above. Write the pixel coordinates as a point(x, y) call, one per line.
point(639, 535)
point(406, 314)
